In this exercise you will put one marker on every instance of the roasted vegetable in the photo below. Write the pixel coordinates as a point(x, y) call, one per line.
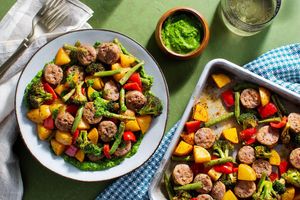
point(231, 135)
point(246, 173)
point(229, 195)
point(87, 146)
point(191, 186)
point(292, 176)
point(265, 190)
point(62, 57)
point(262, 152)
point(146, 79)
point(219, 119)
point(201, 155)
point(183, 149)
point(153, 106)
point(221, 80)
point(222, 148)
point(279, 186)
point(275, 158)
point(229, 180)
point(36, 94)
point(182, 195)
point(94, 67)
point(78, 97)
point(248, 120)
point(285, 134)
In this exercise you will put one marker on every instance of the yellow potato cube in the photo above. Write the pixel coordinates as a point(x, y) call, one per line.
point(45, 112)
point(246, 173)
point(63, 137)
point(83, 125)
point(221, 80)
point(231, 135)
point(93, 136)
point(213, 174)
point(265, 96)
point(144, 122)
point(126, 60)
point(183, 149)
point(80, 155)
point(132, 125)
point(57, 147)
point(43, 132)
point(200, 113)
point(229, 195)
point(201, 155)
point(275, 158)
point(34, 115)
point(62, 57)
point(188, 138)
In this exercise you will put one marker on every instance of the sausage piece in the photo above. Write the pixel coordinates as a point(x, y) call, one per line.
point(244, 189)
point(109, 53)
point(110, 91)
point(262, 166)
point(182, 174)
point(122, 151)
point(94, 158)
point(76, 70)
point(295, 158)
point(135, 100)
point(246, 154)
point(205, 137)
point(64, 121)
point(86, 58)
point(250, 98)
point(204, 197)
point(89, 113)
point(267, 135)
point(218, 190)
point(206, 181)
point(53, 74)
point(294, 120)
point(107, 130)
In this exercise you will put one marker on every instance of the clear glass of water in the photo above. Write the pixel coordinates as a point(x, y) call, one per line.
point(248, 17)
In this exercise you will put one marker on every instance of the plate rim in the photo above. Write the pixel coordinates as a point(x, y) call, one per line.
point(167, 104)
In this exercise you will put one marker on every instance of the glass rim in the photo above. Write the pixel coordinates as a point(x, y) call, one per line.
point(278, 5)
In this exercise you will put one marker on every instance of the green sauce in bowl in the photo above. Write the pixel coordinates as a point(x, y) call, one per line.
point(181, 33)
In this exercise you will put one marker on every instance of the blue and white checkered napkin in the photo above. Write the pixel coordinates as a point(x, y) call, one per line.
point(281, 65)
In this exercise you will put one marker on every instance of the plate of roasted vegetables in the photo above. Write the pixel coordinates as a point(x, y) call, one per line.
point(92, 105)
point(239, 139)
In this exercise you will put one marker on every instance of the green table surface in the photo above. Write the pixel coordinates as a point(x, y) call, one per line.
point(137, 19)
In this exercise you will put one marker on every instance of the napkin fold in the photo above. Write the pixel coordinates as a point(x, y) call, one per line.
point(281, 65)
point(15, 26)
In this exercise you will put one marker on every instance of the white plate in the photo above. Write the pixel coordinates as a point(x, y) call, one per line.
point(41, 149)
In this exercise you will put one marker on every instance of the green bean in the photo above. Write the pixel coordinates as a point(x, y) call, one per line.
point(237, 110)
point(168, 186)
point(118, 139)
point(108, 73)
point(218, 161)
point(276, 104)
point(66, 97)
point(122, 100)
point(242, 86)
point(273, 119)
point(280, 105)
point(191, 186)
point(130, 72)
point(188, 158)
point(219, 119)
point(77, 119)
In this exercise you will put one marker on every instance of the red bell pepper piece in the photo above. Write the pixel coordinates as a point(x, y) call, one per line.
point(75, 136)
point(194, 198)
point(279, 124)
point(135, 78)
point(228, 98)
point(283, 166)
point(250, 141)
point(192, 126)
point(106, 151)
point(50, 90)
point(132, 86)
point(248, 133)
point(83, 90)
point(129, 136)
point(267, 110)
point(225, 169)
point(49, 123)
point(235, 169)
point(72, 109)
point(273, 176)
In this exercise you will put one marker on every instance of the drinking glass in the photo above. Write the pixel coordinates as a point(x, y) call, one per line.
point(248, 17)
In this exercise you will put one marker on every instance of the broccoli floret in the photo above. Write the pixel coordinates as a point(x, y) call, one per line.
point(262, 152)
point(87, 146)
point(37, 95)
point(146, 79)
point(279, 186)
point(222, 148)
point(103, 108)
point(229, 180)
point(292, 176)
point(94, 67)
point(78, 97)
point(182, 195)
point(248, 120)
point(265, 190)
point(153, 106)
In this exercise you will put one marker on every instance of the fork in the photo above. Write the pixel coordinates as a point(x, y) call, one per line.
point(50, 16)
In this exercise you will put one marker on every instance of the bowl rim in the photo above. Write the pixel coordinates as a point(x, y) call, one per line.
point(167, 106)
point(205, 31)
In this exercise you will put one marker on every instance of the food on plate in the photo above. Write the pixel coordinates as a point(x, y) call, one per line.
point(240, 142)
point(93, 103)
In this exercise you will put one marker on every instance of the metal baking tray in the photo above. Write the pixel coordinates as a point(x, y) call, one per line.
point(156, 190)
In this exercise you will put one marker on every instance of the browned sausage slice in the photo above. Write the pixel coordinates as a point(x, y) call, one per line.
point(267, 135)
point(294, 121)
point(107, 130)
point(110, 91)
point(244, 189)
point(250, 98)
point(262, 166)
point(205, 137)
point(206, 181)
point(204, 197)
point(246, 154)
point(53, 74)
point(94, 158)
point(135, 100)
point(109, 53)
point(182, 174)
point(122, 151)
point(86, 58)
point(218, 190)
point(89, 113)
point(295, 158)
point(64, 121)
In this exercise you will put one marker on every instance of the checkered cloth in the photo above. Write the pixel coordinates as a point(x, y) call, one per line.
point(281, 65)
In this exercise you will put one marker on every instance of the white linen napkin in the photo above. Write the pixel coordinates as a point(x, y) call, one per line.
point(15, 26)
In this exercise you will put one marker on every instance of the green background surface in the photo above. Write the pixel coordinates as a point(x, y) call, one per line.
point(137, 19)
